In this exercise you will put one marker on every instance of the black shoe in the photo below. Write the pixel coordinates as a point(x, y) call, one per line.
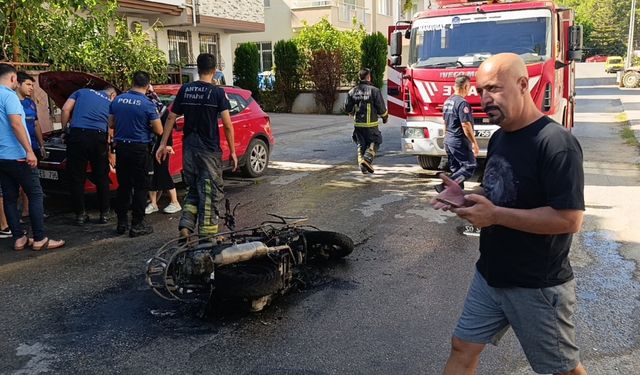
point(123, 226)
point(363, 169)
point(82, 219)
point(104, 218)
point(140, 229)
point(5, 233)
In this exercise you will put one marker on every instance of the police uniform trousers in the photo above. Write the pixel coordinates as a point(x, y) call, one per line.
point(368, 140)
point(134, 169)
point(202, 170)
point(87, 145)
point(462, 162)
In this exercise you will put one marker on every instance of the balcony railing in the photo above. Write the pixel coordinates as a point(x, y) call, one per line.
point(347, 12)
point(299, 4)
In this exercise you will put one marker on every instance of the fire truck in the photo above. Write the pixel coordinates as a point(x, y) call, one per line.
point(453, 39)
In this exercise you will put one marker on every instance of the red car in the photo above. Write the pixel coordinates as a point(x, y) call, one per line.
point(253, 137)
point(596, 58)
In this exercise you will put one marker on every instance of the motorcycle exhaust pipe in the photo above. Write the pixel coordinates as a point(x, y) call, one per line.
point(244, 251)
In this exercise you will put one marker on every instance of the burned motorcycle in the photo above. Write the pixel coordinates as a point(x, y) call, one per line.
point(251, 264)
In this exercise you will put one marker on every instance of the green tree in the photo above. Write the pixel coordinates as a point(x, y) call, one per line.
point(246, 66)
point(287, 71)
point(324, 37)
point(98, 41)
point(374, 57)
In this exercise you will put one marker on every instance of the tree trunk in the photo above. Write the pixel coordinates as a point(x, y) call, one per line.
point(13, 31)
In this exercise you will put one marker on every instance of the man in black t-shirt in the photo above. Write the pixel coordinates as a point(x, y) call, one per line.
point(201, 102)
point(531, 204)
point(459, 140)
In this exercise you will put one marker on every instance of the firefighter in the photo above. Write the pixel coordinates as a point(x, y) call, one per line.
point(365, 103)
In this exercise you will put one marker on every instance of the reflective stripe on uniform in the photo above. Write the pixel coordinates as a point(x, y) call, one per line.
point(365, 124)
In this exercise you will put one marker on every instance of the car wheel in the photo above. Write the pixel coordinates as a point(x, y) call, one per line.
point(429, 162)
point(631, 79)
point(256, 159)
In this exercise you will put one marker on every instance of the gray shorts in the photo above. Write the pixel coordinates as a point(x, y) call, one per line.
point(542, 320)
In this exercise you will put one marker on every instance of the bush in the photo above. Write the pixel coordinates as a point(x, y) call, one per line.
point(325, 71)
point(323, 36)
point(246, 66)
point(270, 101)
point(287, 69)
point(374, 57)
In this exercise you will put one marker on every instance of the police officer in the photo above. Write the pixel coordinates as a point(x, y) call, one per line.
point(459, 140)
point(134, 119)
point(365, 103)
point(84, 119)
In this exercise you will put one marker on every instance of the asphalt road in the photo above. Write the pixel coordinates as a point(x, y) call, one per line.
point(388, 308)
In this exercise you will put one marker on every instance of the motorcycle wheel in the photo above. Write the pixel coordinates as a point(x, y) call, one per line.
point(331, 245)
point(248, 280)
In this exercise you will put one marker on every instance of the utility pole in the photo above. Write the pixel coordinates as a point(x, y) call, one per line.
point(632, 24)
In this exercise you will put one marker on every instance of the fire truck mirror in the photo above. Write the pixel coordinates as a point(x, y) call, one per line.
point(575, 43)
point(396, 44)
point(395, 61)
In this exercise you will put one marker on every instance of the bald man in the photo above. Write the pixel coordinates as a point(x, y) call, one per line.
point(531, 203)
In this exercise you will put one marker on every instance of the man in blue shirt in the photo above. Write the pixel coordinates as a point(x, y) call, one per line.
point(85, 114)
point(25, 91)
point(134, 119)
point(17, 167)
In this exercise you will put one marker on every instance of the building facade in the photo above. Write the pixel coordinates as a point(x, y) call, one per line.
point(284, 18)
point(185, 28)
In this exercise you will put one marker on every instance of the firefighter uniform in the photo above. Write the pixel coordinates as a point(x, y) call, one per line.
point(365, 103)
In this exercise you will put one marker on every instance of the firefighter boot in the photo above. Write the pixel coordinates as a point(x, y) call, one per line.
point(361, 162)
point(367, 159)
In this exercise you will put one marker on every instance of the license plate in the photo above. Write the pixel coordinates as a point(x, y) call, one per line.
point(48, 175)
point(483, 133)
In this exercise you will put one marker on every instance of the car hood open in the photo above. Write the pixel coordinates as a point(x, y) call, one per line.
point(60, 85)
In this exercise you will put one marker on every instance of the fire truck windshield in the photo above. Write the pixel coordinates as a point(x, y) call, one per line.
point(467, 40)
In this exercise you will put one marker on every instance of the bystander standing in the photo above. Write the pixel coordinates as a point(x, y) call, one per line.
point(18, 167)
point(531, 202)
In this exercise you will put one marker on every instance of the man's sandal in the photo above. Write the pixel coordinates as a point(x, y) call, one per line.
point(48, 244)
point(28, 242)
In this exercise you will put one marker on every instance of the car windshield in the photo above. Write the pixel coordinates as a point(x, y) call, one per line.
point(615, 61)
point(466, 41)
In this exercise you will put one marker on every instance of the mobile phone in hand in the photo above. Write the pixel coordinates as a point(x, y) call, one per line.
point(448, 202)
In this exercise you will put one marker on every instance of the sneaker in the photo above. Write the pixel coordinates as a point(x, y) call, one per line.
point(105, 218)
point(172, 208)
point(363, 169)
point(151, 208)
point(140, 229)
point(82, 219)
point(5, 233)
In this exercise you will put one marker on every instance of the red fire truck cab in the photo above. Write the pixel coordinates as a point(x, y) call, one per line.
point(453, 40)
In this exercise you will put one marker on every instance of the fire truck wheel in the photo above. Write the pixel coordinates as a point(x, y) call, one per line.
point(328, 245)
point(429, 162)
point(631, 79)
point(248, 280)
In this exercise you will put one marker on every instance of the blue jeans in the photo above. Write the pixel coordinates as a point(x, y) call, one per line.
point(14, 174)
